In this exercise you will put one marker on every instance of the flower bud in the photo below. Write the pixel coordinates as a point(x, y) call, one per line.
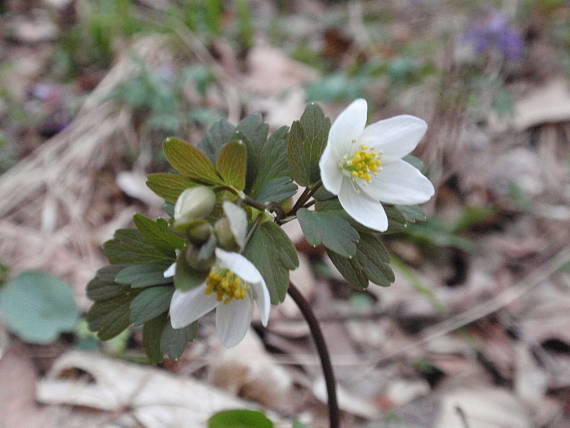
point(226, 238)
point(200, 233)
point(193, 204)
point(196, 260)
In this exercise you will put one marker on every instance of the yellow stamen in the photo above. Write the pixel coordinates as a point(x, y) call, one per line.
point(364, 164)
point(226, 285)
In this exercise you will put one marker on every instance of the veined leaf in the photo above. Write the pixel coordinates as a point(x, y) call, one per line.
point(232, 164)
point(217, 136)
point(371, 263)
point(161, 339)
point(174, 340)
point(110, 315)
point(150, 303)
point(169, 186)
point(274, 255)
point(330, 229)
point(129, 247)
point(307, 141)
point(190, 162)
point(156, 233)
point(138, 276)
point(272, 182)
point(253, 131)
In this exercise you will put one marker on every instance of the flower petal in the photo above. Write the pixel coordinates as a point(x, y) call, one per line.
point(331, 174)
point(347, 127)
point(362, 208)
point(239, 265)
point(263, 300)
point(396, 137)
point(187, 306)
point(238, 221)
point(232, 321)
point(399, 183)
point(170, 271)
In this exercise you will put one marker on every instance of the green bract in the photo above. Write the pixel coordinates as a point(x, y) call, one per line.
point(232, 191)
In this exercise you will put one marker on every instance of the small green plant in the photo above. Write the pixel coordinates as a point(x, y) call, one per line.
point(221, 248)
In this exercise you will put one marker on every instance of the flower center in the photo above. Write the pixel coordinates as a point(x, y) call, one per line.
point(364, 164)
point(226, 285)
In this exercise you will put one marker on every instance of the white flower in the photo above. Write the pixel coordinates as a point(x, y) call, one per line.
point(232, 286)
point(363, 164)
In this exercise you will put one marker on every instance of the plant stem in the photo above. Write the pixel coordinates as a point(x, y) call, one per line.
point(328, 373)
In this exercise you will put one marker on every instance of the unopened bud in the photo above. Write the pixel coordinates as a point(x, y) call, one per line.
point(193, 204)
point(196, 260)
point(200, 232)
point(226, 238)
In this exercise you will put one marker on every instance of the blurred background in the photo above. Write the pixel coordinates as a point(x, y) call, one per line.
point(474, 333)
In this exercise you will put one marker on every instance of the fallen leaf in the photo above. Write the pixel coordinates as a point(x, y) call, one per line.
point(151, 396)
point(547, 104)
point(248, 370)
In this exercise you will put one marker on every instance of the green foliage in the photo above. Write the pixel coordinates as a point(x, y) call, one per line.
point(371, 263)
point(150, 303)
point(307, 141)
point(190, 162)
point(37, 307)
point(110, 314)
point(239, 418)
point(156, 233)
point(160, 96)
point(128, 247)
point(272, 181)
point(139, 276)
point(232, 164)
point(169, 186)
point(215, 138)
point(329, 228)
point(274, 255)
point(161, 339)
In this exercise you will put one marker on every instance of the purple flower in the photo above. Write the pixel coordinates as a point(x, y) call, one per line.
point(494, 32)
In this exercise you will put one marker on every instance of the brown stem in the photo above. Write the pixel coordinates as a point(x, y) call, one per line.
point(328, 373)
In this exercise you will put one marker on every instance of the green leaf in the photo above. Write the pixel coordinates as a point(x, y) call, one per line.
point(150, 303)
point(239, 418)
point(186, 278)
point(272, 182)
point(232, 164)
point(307, 141)
point(109, 316)
point(350, 269)
point(37, 307)
point(129, 247)
point(330, 229)
point(152, 332)
point(138, 276)
point(169, 186)
point(253, 132)
point(412, 213)
point(374, 259)
point(298, 424)
point(217, 136)
point(173, 341)
point(190, 162)
point(161, 339)
point(274, 255)
point(401, 216)
point(371, 263)
point(104, 286)
point(157, 234)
